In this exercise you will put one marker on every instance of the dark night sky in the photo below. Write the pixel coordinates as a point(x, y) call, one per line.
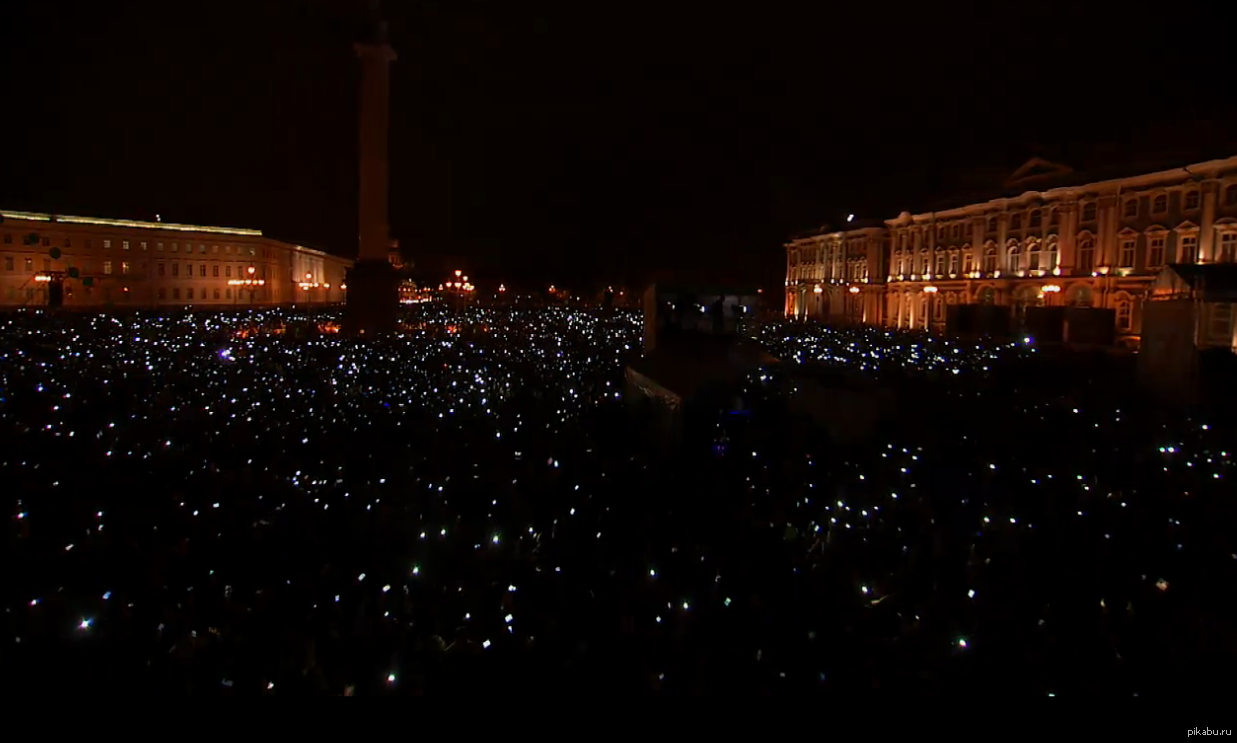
point(576, 142)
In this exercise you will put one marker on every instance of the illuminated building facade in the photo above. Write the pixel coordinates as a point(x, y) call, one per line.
point(1097, 244)
point(837, 276)
point(98, 263)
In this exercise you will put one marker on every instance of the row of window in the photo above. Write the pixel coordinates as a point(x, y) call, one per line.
point(161, 270)
point(144, 245)
point(1191, 201)
point(202, 294)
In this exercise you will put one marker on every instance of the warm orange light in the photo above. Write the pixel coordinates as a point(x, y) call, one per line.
point(459, 273)
point(251, 270)
point(308, 276)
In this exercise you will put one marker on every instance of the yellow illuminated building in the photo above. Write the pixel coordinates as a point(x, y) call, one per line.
point(130, 263)
point(1054, 239)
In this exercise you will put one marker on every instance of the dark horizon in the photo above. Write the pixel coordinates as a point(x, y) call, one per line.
point(573, 147)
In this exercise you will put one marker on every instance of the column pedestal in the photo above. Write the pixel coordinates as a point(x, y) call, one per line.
point(373, 298)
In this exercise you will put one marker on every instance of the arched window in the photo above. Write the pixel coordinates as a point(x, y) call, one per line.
point(968, 260)
point(1051, 253)
point(1015, 257)
point(1088, 211)
point(940, 263)
point(1159, 205)
point(1033, 256)
point(990, 260)
point(924, 265)
point(1015, 221)
point(1086, 255)
point(1125, 315)
point(953, 262)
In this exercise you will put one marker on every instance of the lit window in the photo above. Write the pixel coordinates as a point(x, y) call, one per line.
point(124, 244)
point(124, 267)
point(1189, 249)
point(201, 248)
point(1086, 255)
point(174, 248)
point(1125, 315)
point(159, 247)
point(107, 243)
point(143, 245)
point(214, 248)
point(1228, 247)
point(107, 267)
point(1155, 252)
point(1126, 257)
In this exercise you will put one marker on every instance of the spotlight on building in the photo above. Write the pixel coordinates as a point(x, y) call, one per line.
point(818, 290)
point(930, 290)
point(854, 290)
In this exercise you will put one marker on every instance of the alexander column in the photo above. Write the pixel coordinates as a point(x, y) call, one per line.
point(373, 284)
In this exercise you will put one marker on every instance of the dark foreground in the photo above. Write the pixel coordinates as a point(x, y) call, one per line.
point(464, 509)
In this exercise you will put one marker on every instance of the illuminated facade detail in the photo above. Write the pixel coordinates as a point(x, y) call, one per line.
point(83, 260)
point(1098, 244)
point(837, 276)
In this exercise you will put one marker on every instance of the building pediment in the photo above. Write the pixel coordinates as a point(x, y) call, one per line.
point(1156, 229)
point(1127, 232)
point(1186, 226)
point(1037, 169)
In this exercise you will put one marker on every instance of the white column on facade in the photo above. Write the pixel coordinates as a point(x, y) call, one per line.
point(1206, 230)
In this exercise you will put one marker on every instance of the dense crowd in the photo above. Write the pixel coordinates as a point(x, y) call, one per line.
point(242, 504)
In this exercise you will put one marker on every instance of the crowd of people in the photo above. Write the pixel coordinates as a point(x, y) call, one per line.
point(214, 504)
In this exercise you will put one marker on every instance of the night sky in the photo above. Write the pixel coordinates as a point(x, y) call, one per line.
point(583, 142)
